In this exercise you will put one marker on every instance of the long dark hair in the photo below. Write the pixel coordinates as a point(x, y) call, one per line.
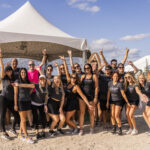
point(87, 64)
point(77, 82)
point(26, 78)
point(117, 74)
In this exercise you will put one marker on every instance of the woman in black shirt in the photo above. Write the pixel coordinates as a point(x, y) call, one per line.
point(116, 91)
point(145, 89)
point(132, 92)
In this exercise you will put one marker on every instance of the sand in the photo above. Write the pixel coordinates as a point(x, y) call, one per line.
point(101, 140)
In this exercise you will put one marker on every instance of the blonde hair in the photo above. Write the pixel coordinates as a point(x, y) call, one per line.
point(126, 82)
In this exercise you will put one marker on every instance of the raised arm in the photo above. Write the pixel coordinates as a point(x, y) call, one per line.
point(1, 65)
point(125, 56)
point(103, 58)
point(66, 68)
point(96, 88)
point(133, 66)
point(44, 58)
point(71, 60)
point(57, 66)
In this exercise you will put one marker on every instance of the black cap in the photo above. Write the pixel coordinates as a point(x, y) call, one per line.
point(8, 68)
point(108, 67)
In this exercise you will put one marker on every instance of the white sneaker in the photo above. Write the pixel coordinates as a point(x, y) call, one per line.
point(75, 131)
point(29, 140)
point(129, 131)
point(81, 132)
point(134, 132)
point(91, 131)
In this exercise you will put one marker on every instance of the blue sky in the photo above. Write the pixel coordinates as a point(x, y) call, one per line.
point(109, 24)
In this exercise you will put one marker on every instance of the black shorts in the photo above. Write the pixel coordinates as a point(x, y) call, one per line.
point(148, 103)
point(53, 106)
point(103, 103)
point(24, 105)
point(118, 103)
point(136, 103)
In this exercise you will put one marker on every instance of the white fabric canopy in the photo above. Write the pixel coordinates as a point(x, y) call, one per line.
point(26, 24)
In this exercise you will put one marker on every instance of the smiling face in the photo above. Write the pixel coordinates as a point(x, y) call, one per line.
point(49, 70)
point(114, 64)
point(87, 69)
point(23, 74)
point(9, 73)
point(57, 80)
point(73, 79)
point(62, 69)
point(94, 66)
point(141, 79)
point(42, 81)
point(128, 78)
point(121, 69)
point(31, 65)
point(115, 77)
point(14, 63)
point(77, 68)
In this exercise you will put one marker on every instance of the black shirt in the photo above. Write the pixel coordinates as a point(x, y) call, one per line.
point(51, 78)
point(146, 89)
point(115, 91)
point(64, 80)
point(131, 93)
point(8, 90)
point(103, 85)
point(40, 94)
point(23, 93)
point(16, 73)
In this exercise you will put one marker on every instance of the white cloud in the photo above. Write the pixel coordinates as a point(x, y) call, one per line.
point(5, 6)
point(134, 37)
point(85, 5)
point(112, 50)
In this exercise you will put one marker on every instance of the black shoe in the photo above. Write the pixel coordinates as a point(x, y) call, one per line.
point(114, 130)
point(59, 131)
point(43, 135)
point(38, 136)
point(52, 133)
point(120, 131)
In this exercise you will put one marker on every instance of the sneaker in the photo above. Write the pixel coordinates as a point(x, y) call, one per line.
point(81, 132)
point(148, 133)
point(91, 131)
point(38, 136)
point(75, 131)
point(29, 140)
point(5, 136)
point(52, 133)
point(134, 132)
point(43, 135)
point(129, 131)
point(113, 130)
point(120, 131)
point(59, 131)
point(21, 137)
point(13, 132)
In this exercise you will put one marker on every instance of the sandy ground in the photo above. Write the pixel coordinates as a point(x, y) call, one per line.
point(101, 140)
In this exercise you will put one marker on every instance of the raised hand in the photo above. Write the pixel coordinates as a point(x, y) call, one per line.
point(62, 58)
point(130, 63)
point(0, 53)
point(127, 50)
point(44, 51)
point(101, 52)
point(69, 52)
point(56, 64)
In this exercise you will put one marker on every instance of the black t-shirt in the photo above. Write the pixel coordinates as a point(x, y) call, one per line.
point(115, 91)
point(122, 77)
point(16, 73)
point(8, 90)
point(55, 92)
point(64, 80)
point(131, 93)
point(40, 94)
point(146, 89)
point(103, 85)
point(23, 93)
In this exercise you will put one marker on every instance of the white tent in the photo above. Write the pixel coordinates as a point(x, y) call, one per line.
point(141, 64)
point(26, 32)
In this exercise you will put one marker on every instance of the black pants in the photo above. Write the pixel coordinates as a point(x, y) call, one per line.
point(4, 104)
point(36, 119)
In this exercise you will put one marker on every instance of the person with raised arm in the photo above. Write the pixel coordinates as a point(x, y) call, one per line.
point(89, 86)
point(114, 61)
point(7, 98)
point(73, 89)
point(117, 94)
point(133, 93)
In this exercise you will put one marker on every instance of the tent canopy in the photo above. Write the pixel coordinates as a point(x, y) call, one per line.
point(25, 33)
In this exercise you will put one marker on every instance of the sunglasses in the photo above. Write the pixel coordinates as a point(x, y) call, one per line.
point(62, 68)
point(114, 63)
point(76, 67)
point(121, 67)
point(31, 64)
point(73, 78)
point(128, 77)
point(87, 68)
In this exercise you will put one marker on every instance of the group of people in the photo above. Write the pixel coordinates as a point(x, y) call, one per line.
point(38, 96)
